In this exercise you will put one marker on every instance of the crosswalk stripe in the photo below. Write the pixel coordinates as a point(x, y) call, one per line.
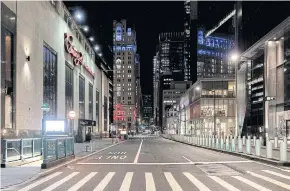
point(278, 183)
point(83, 181)
point(127, 182)
point(196, 182)
point(250, 183)
point(224, 183)
point(172, 182)
point(60, 182)
point(150, 185)
point(102, 185)
point(40, 181)
point(277, 174)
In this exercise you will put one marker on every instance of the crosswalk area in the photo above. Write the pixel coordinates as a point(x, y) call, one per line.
point(265, 180)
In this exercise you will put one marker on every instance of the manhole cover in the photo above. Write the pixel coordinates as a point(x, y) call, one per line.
point(218, 170)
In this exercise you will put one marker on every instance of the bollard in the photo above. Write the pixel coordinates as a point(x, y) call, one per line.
point(222, 143)
point(240, 145)
point(276, 142)
point(269, 149)
point(283, 150)
point(258, 147)
point(228, 143)
point(244, 140)
point(262, 140)
point(234, 144)
point(255, 140)
point(248, 145)
point(217, 143)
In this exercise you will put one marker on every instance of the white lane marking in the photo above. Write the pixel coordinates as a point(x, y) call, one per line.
point(79, 159)
point(60, 182)
point(172, 182)
point(224, 183)
point(127, 182)
point(278, 183)
point(277, 174)
point(181, 163)
point(196, 182)
point(102, 185)
point(170, 148)
point(138, 153)
point(187, 159)
point(150, 185)
point(29, 187)
point(285, 170)
point(250, 183)
point(83, 181)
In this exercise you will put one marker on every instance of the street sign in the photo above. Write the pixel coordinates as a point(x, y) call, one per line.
point(45, 107)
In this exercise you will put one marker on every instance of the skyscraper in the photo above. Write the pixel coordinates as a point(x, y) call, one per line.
point(147, 109)
point(125, 97)
point(190, 40)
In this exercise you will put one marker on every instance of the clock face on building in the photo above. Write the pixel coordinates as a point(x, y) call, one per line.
point(118, 33)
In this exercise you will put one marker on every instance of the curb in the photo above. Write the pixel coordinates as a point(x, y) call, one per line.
point(53, 169)
point(251, 157)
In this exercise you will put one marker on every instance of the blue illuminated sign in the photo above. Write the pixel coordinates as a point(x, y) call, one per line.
point(129, 31)
point(215, 42)
point(211, 53)
point(118, 33)
point(125, 48)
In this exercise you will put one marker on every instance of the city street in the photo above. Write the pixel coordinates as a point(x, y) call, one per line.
point(160, 164)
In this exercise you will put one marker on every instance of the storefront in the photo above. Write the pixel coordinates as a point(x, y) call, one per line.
point(208, 108)
point(55, 66)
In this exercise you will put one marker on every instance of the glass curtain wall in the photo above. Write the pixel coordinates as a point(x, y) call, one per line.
point(91, 101)
point(68, 89)
point(81, 97)
point(50, 81)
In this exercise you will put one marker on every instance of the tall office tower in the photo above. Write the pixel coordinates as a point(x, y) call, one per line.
point(124, 61)
point(190, 40)
point(213, 56)
point(138, 91)
point(171, 66)
point(156, 86)
point(147, 110)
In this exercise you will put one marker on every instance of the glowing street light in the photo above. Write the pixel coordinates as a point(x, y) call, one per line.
point(97, 47)
point(197, 88)
point(71, 114)
point(86, 28)
point(91, 39)
point(79, 15)
point(100, 54)
point(234, 57)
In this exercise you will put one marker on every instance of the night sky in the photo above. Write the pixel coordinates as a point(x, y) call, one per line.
point(151, 18)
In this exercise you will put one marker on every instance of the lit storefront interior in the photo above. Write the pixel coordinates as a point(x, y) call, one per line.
point(207, 106)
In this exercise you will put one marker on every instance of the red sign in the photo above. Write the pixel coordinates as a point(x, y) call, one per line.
point(76, 55)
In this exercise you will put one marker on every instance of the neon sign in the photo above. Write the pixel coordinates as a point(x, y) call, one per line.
point(75, 54)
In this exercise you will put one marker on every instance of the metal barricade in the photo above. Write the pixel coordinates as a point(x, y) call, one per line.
point(13, 150)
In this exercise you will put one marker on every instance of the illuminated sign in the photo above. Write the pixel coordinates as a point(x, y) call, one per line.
point(211, 53)
point(215, 42)
point(57, 126)
point(129, 32)
point(75, 54)
point(125, 48)
point(118, 33)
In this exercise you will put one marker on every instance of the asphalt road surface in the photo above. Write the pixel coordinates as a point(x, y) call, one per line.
point(163, 165)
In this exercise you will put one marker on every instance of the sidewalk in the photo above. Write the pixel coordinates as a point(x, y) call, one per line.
point(16, 175)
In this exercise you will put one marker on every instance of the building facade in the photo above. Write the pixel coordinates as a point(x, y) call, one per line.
point(208, 108)
point(147, 110)
point(125, 76)
point(156, 87)
point(213, 56)
point(171, 96)
point(263, 83)
point(48, 63)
